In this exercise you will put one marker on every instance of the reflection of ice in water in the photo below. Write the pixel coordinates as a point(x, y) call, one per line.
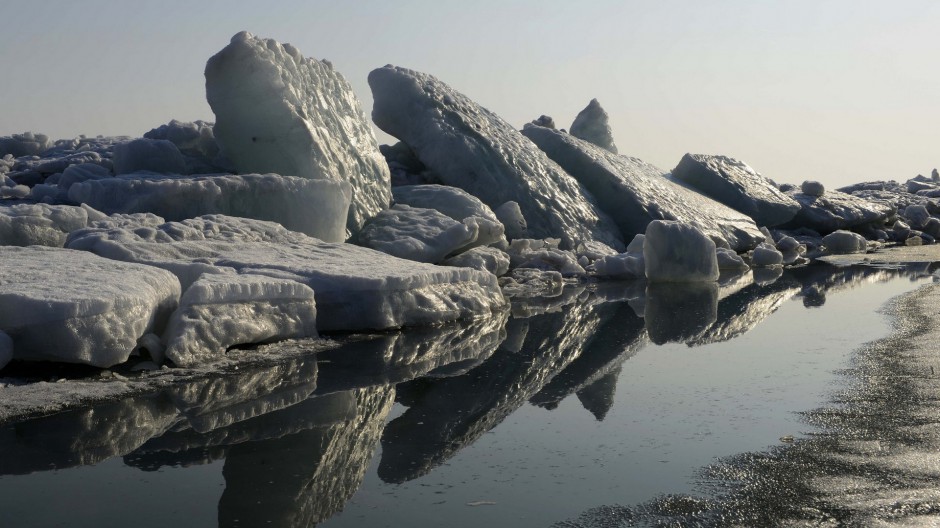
point(299, 438)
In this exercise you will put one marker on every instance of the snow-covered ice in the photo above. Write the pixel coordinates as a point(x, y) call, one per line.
point(469, 147)
point(315, 207)
point(592, 126)
point(72, 306)
point(222, 310)
point(678, 252)
point(277, 111)
point(634, 192)
point(738, 186)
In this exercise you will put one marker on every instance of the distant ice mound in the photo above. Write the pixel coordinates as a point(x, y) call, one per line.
point(738, 186)
point(634, 193)
point(279, 112)
point(592, 126)
point(71, 306)
point(468, 146)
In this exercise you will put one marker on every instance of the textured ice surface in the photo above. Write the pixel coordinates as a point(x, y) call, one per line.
point(592, 126)
point(677, 252)
point(621, 266)
point(738, 186)
point(196, 141)
point(314, 207)
point(488, 259)
point(25, 144)
point(813, 188)
point(469, 147)
point(71, 306)
point(154, 155)
point(543, 255)
point(634, 192)
point(451, 201)
point(222, 310)
point(729, 260)
point(766, 256)
point(355, 288)
point(6, 349)
point(837, 210)
point(279, 112)
point(512, 219)
point(845, 242)
point(422, 235)
point(42, 224)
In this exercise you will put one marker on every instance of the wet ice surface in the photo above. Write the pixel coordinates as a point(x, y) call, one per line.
point(566, 412)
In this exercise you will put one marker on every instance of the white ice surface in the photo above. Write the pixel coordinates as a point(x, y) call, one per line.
point(72, 306)
point(455, 203)
point(677, 252)
point(315, 207)
point(766, 256)
point(592, 126)
point(42, 224)
point(512, 219)
point(469, 147)
point(845, 242)
point(279, 112)
point(222, 310)
point(422, 235)
point(355, 288)
point(488, 259)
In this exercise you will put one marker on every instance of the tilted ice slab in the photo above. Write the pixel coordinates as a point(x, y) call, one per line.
point(71, 306)
point(222, 310)
point(837, 210)
point(42, 224)
point(426, 235)
point(738, 186)
point(279, 112)
point(469, 147)
point(314, 207)
point(635, 193)
point(355, 288)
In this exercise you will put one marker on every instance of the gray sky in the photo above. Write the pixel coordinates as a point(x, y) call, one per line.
point(838, 91)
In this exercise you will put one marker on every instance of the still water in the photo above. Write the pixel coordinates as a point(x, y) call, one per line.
point(608, 396)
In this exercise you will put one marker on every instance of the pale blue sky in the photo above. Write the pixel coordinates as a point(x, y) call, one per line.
point(839, 91)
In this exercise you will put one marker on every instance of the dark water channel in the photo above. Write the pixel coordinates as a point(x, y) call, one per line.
point(592, 399)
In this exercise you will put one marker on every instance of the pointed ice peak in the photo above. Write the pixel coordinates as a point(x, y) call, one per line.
point(592, 126)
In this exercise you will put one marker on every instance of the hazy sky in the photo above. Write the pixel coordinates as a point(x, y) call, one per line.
point(838, 91)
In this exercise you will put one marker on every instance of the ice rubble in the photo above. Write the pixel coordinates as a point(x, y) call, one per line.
point(222, 310)
point(72, 306)
point(26, 144)
point(634, 192)
point(468, 146)
point(279, 112)
point(738, 186)
point(29, 224)
point(488, 259)
point(677, 252)
point(422, 235)
point(836, 210)
point(455, 203)
point(315, 207)
point(592, 126)
point(355, 288)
